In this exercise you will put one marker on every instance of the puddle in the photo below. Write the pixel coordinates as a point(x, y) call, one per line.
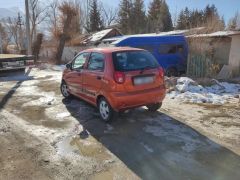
point(45, 77)
point(88, 147)
point(33, 114)
point(106, 175)
point(49, 86)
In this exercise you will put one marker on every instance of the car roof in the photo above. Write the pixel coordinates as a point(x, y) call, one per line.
point(112, 49)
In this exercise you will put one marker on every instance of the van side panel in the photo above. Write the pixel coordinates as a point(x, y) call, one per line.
point(170, 51)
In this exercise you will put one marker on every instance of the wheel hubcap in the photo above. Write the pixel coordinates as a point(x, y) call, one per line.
point(64, 90)
point(104, 109)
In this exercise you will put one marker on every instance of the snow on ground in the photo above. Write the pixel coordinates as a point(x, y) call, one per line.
point(188, 90)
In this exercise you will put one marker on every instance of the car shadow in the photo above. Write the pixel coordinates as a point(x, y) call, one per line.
point(157, 146)
point(20, 77)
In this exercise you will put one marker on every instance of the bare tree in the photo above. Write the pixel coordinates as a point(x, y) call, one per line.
point(53, 17)
point(12, 29)
point(37, 16)
point(109, 15)
point(4, 38)
point(68, 12)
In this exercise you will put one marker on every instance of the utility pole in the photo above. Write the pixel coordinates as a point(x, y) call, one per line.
point(20, 23)
point(1, 45)
point(29, 48)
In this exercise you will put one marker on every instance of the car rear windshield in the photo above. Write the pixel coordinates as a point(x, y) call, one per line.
point(134, 60)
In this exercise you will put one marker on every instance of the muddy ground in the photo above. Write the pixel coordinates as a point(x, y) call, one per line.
point(44, 136)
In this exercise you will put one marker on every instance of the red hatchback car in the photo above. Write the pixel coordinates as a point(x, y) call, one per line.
point(115, 79)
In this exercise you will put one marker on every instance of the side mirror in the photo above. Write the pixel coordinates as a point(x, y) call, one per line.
point(69, 66)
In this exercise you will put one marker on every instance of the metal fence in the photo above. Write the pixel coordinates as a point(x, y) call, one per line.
point(198, 66)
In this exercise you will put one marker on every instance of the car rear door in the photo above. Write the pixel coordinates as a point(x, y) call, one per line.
point(93, 75)
point(74, 77)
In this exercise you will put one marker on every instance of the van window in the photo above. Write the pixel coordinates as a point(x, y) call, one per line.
point(134, 60)
point(96, 62)
point(148, 48)
point(170, 49)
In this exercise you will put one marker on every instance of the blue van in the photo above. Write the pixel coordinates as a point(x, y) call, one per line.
point(170, 51)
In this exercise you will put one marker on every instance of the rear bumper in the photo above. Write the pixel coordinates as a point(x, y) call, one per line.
point(127, 100)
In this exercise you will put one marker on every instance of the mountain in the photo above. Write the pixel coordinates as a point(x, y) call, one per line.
point(10, 12)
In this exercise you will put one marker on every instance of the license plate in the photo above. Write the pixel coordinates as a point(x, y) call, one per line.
point(143, 80)
point(13, 64)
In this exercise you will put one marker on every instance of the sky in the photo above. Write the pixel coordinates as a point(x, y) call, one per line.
point(227, 8)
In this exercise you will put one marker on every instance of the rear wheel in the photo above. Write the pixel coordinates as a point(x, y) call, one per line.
point(64, 90)
point(105, 110)
point(154, 107)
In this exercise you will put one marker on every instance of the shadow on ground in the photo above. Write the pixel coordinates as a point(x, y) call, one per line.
point(157, 146)
point(20, 77)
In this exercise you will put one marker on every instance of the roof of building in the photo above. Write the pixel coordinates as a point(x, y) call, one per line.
point(98, 36)
point(169, 33)
point(216, 34)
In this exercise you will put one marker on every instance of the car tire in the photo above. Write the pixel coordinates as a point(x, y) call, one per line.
point(64, 90)
point(105, 110)
point(154, 107)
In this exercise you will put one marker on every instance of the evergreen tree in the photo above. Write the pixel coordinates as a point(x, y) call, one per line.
point(212, 20)
point(208, 18)
point(125, 16)
point(195, 19)
point(139, 17)
point(96, 23)
point(159, 17)
point(181, 21)
point(166, 17)
point(154, 19)
point(187, 18)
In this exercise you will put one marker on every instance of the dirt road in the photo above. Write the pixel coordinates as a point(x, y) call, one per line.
point(43, 136)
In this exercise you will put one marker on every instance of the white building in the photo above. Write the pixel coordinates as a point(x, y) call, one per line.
point(225, 47)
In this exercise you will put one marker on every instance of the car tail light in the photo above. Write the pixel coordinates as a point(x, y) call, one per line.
point(161, 72)
point(119, 77)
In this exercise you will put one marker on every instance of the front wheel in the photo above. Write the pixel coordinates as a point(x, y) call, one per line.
point(105, 110)
point(64, 90)
point(154, 107)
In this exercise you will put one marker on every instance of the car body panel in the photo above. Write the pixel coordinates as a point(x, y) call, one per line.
point(95, 84)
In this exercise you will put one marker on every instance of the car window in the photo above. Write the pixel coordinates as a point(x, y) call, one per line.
point(170, 49)
point(134, 60)
point(80, 60)
point(96, 62)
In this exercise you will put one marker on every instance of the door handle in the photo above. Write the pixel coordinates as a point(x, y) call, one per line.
point(99, 77)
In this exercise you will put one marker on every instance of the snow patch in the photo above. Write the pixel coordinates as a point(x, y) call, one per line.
point(63, 115)
point(187, 90)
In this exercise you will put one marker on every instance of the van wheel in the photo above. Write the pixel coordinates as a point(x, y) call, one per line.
point(105, 110)
point(154, 107)
point(64, 90)
point(172, 72)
